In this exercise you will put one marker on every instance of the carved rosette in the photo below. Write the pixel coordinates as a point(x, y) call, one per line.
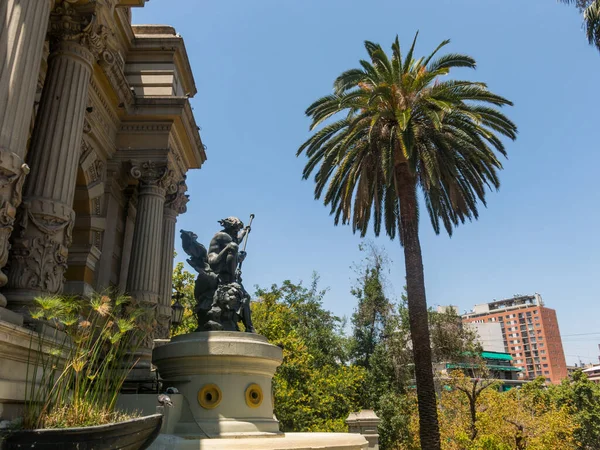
point(39, 256)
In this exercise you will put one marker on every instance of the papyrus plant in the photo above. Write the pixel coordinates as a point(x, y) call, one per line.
point(80, 357)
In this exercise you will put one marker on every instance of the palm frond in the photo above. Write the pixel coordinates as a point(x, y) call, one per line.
point(397, 113)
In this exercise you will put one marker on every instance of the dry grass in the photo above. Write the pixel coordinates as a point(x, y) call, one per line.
point(85, 416)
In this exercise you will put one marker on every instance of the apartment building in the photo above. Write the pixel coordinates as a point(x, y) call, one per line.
point(530, 334)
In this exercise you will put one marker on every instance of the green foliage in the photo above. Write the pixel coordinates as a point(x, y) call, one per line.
point(183, 282)
point(591, 16)
point(582, 396)
point(78, 365)
point(373, 310)
point(395, 410)
point(390, 376)
point(314, 389)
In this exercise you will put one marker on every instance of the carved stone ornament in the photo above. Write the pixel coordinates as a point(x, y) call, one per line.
point(152, 173)
point(12, 176)
point(178, 200)
point(78, 23)
point(39, 257)
point(163, 327)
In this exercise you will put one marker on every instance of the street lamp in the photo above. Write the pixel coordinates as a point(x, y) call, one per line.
point(177, 309)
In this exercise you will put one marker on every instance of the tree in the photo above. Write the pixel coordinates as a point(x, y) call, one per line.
point(314, 388)
point(390, 375)
point(472, 389)
point(404, 129)
point(591, 17)
point(582, 396)
point(373, 310)
point(522, 419)
point(183, 283)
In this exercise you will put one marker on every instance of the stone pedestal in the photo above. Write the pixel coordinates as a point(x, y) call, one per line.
point(225, 378)
point(225, 399)
point(366, 423)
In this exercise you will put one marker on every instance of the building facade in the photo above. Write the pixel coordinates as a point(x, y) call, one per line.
point(593, 373)
point(96, 137)
point(530, 334)
point(498, 365)
point(488, 335)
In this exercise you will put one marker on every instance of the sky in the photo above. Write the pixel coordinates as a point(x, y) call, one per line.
point(258, 64)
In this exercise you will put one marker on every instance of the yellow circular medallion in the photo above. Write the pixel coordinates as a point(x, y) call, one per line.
point(254, 395)
point(209, 396)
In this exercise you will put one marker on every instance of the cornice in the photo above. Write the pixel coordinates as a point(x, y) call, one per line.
point(161, 38)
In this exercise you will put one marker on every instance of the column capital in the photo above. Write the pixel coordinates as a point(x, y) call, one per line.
point(176, 203)
point(155, 174)
point(77, 24)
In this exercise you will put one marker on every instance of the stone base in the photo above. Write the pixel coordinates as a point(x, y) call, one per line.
point(225, 380)
point(291, 441)
point(9, 316)
point(17, 346)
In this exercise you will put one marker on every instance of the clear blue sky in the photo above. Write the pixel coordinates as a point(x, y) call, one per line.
point(258, 64)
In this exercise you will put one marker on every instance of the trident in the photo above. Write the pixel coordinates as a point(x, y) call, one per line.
point(245, 244)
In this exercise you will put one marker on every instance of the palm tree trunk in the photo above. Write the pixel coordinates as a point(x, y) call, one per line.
point(406, 186)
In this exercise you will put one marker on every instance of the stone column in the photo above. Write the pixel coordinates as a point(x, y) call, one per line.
point(39, 256)
point(175, 205)
point(23, 25)
point(144, 267)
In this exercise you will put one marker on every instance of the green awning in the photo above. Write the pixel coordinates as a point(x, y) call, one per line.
point(489, 366)
point(497, 355)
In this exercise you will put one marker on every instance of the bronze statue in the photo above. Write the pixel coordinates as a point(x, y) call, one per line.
point(221, 300)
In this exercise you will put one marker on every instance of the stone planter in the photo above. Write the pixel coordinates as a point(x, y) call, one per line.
point(135, 434)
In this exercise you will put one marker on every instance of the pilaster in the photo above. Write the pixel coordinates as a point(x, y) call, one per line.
point(155, 182)
point(175, 204)
point(46, 218)
point(23, 25)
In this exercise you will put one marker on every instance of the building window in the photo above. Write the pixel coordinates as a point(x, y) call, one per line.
point(546, 372)
point(543, 358)
point(545, 365)
point(543, 352)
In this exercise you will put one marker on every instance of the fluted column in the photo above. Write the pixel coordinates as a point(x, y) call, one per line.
point(144, 266)
point(175, 204)
point(23, 25)
point(39, 257)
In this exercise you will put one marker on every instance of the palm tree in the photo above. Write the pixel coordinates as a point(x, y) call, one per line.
point(591, 17)
point(403, 129)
